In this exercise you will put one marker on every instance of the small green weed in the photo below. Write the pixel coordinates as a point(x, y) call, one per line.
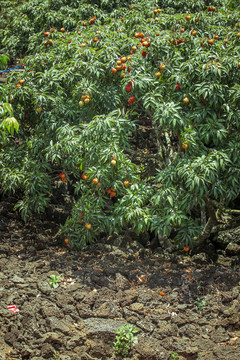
point(200, 304)
point(55, 355)
point(54, 279)
point(174, 356)
point(125, 339)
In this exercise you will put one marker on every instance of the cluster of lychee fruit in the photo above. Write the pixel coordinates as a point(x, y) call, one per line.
point(85, 99)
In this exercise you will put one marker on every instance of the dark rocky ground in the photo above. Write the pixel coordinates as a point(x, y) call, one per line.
point(187, 305)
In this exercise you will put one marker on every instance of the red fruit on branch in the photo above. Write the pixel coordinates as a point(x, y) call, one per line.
point(131, 100)
point(63, 177)
point(128, 88)
point(84, 176)
point(144, 53)
point(177, 86)
point(145, 43)
point(186, 100)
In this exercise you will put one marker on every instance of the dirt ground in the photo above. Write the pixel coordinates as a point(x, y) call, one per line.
point(186, 307)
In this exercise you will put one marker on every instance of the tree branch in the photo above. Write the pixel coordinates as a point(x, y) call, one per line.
point(212, 221)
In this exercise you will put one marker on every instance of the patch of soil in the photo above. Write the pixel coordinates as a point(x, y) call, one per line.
point(181, 304)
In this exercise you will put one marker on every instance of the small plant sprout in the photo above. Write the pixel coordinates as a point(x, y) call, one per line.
point(125, 339)
point(174, 356)
point(54, 279)
point(200, 304)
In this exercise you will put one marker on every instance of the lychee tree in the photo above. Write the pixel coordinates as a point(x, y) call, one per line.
point(93, 74)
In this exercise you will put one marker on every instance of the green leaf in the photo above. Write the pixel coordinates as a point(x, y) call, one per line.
point(170, 199)
point(8, 107)
point(10, 124)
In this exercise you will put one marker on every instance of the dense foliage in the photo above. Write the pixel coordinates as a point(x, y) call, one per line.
point(91, 73)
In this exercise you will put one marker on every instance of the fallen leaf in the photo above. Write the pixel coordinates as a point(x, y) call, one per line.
point(142, 278)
